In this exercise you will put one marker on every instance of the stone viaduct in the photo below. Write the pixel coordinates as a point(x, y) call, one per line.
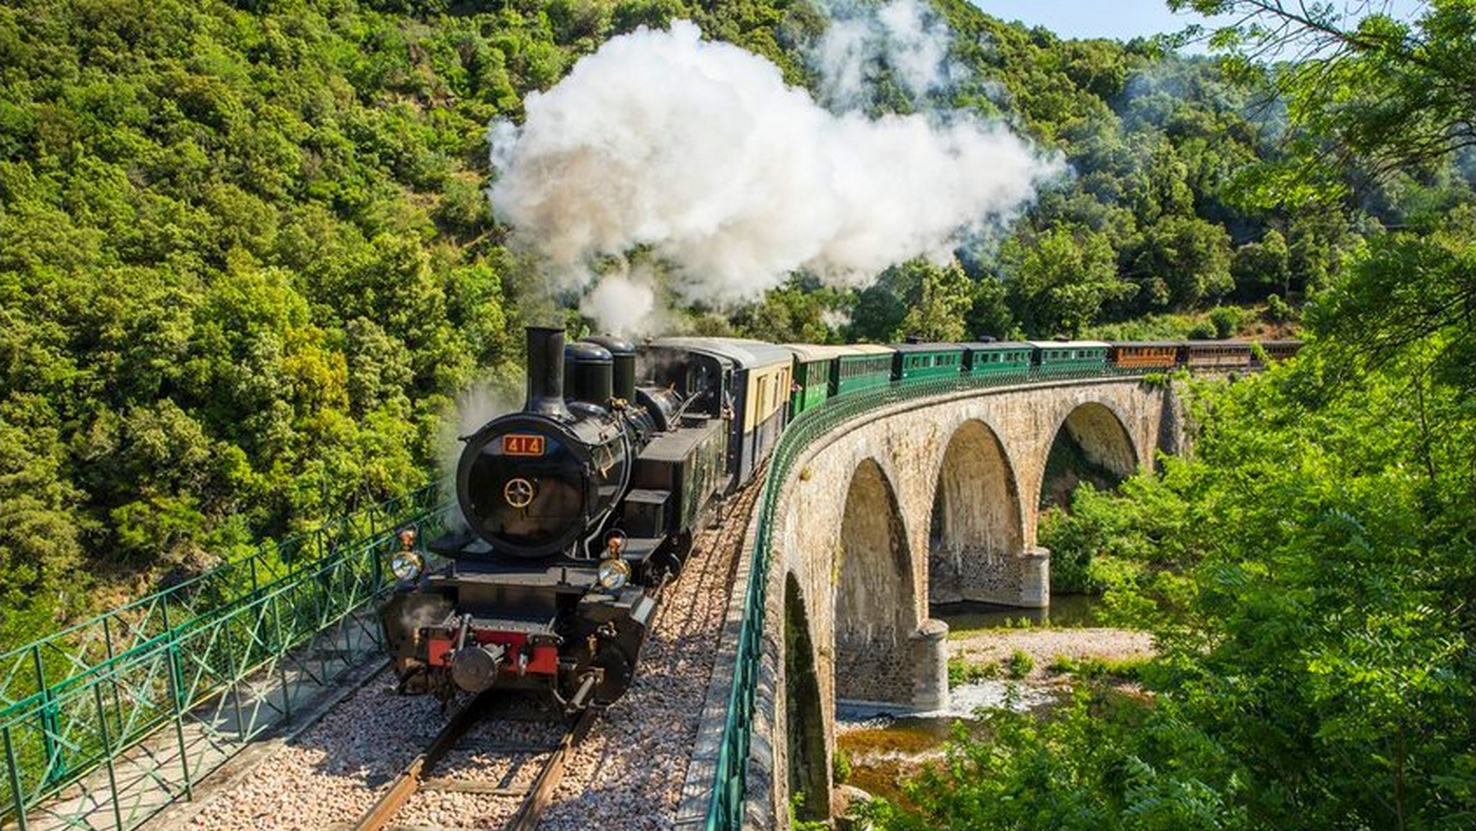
point(927, 500)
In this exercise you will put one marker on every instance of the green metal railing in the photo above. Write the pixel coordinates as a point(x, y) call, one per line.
point(73, 702)
point(729, 787)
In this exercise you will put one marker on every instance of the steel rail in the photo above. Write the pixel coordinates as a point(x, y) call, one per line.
point(413, 776)
point(541, 794)
point(416, 775)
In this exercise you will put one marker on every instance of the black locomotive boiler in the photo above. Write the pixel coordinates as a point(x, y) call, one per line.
point(578, 508)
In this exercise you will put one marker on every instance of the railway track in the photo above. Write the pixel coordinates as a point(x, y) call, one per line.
point(627, 773)
point(535, 797)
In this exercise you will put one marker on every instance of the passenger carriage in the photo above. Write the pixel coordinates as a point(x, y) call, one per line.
point(864, 366)
point(1071, 357)
point(811, 376)
point(1221, 354)
point(755, 389)
point(822, 372)
point(916, 361)
point(997, 358)
point(1146, 354)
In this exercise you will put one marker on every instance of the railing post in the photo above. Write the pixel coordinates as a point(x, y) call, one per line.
point(278, 650)
point(102, 723)
point(177, 695)
point(56, 765)
point(236, 662)
point(12, 765)
point(376, 568)
point(108, 643)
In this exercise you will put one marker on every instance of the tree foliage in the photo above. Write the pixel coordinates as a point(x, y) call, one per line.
point(1368, 88)
point(246, 264)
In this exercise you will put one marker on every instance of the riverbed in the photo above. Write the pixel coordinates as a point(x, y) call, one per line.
point(884, 749)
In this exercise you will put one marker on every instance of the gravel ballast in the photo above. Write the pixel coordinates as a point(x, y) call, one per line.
point(628, 773)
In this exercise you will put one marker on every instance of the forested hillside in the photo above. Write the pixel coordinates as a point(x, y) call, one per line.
point(247, 261)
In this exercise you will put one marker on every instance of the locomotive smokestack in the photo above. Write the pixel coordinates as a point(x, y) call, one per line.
point(546, 372)
point(623, 353)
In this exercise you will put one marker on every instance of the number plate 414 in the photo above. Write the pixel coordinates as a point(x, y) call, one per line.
point(516, 444)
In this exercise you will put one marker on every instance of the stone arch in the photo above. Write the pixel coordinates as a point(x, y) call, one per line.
point(808, 766)
point(978, 521)
point(875, 599)
point(1102, 438)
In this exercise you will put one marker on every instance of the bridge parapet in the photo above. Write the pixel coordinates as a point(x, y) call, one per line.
point(760, 638)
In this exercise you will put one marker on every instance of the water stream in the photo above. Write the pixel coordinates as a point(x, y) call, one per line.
point(884, 747)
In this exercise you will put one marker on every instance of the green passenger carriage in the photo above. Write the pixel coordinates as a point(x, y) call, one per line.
point(861, 367)
point(1071, 357)
point(997, 358)
point(917, 361)
point(822, 372)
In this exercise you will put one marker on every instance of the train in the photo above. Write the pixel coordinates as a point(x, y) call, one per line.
point(579, 507)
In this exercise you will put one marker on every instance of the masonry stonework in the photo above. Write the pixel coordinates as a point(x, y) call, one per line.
point(854, 533)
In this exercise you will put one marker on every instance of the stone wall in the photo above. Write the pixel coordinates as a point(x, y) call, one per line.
point(866, 597)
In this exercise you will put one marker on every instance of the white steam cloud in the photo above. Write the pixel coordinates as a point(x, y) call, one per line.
point(623, 302)
point(699, 156)
point(906, 37)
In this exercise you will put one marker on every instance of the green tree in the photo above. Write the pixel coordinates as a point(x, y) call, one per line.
point(937, 305)
point(1061, 279)
point(793, 313)
point(1264, 263)
point(1385, 91)
point(1182, 262)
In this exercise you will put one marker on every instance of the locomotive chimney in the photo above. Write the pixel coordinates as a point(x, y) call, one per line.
point(587, 373)
point(546, 372)
point(623, 353)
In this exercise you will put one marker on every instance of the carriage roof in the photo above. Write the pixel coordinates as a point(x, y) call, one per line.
point(747, 354)
point(807, 352)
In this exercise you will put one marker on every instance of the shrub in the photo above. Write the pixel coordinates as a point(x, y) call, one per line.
point(961, 672)
point(1226, 320)
point(1203, 330)
point(1278, 310)
point(840, 766)
point(1061, 665)
point(1020, 664)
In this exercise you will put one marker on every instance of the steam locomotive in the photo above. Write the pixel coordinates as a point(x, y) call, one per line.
point(582, 505)
point(579, 508)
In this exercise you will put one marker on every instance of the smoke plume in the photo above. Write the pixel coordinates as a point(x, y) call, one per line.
point(699, 156)
point(905, 39)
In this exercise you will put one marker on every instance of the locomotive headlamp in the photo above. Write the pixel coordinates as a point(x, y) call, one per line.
point(614, 574)
point(407, 564)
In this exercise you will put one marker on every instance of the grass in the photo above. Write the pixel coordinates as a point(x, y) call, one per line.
point(961, 672)
point(1019, 664)
point(964, 631)
point(1123, 669)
